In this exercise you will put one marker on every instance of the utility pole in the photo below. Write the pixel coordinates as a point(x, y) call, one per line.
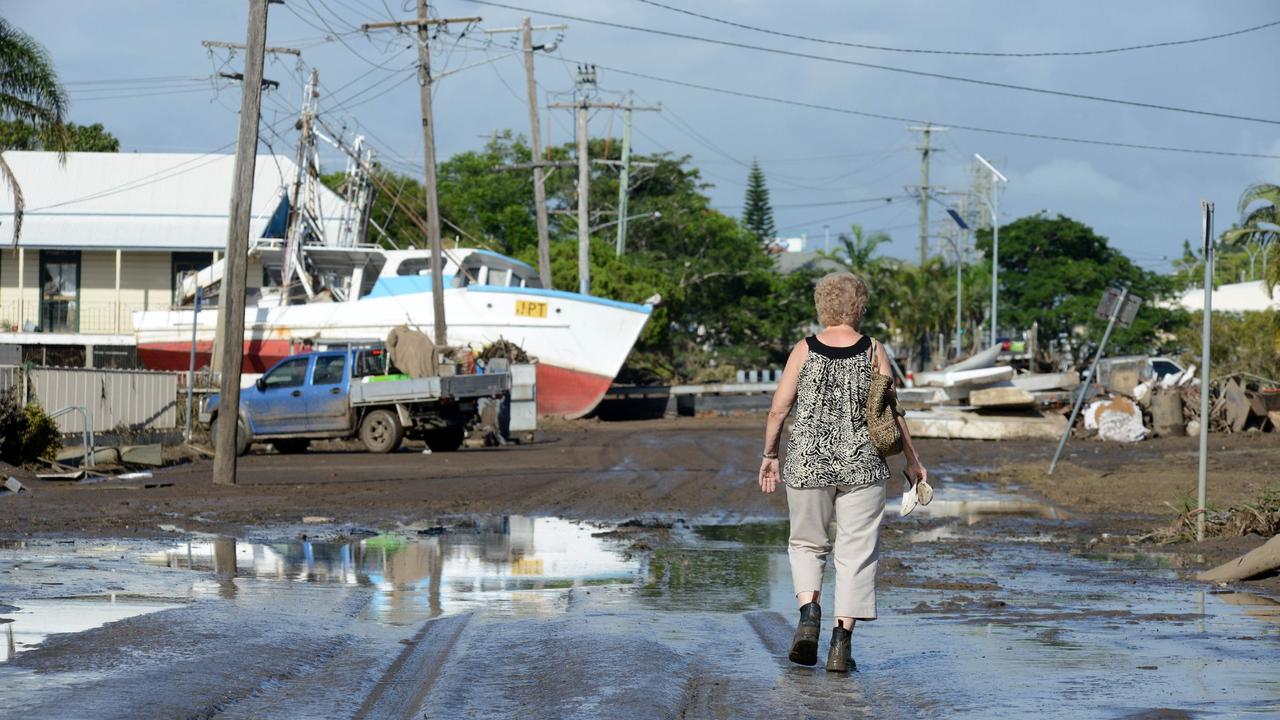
point(535, 141)
point(423, 24)
point(624, 177)
point(584, 199)
point(925, 151)
point(587, 79)
point(232, 297)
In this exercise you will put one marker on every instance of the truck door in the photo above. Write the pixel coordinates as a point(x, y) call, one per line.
point(279, 406)
point(327, 407)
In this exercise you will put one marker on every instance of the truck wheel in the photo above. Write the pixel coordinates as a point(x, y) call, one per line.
point(381, 431)
point(292, 446)
point(446, 439)
point(242, 435)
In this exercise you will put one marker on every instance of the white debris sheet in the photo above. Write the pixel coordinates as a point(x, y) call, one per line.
point(1116, 419)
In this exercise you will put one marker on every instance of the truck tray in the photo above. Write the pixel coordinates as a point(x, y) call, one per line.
point(429, 389)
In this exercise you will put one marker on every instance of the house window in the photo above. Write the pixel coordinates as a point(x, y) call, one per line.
point(59, 290)
point(182, 264)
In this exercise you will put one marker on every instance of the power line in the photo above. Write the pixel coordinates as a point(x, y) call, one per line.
point(880, 199)
point(890, 68)
point(954, 126)
point(972, 53)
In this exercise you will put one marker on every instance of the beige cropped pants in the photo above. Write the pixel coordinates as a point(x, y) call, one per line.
point(857, 510)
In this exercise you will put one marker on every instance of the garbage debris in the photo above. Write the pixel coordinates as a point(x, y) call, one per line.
point(12, 486)
point(1116, 419)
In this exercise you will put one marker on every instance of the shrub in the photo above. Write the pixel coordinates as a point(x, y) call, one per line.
point(26, 432)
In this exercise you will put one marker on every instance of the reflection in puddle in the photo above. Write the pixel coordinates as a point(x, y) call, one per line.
point(971, 511)
point(34, 620)
point(412, 577)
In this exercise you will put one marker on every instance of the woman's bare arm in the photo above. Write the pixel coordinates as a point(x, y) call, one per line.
point(784, 398)
point(914, 467)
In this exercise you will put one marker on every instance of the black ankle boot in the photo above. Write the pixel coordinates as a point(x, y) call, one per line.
point(804, 644)
point(840, 656)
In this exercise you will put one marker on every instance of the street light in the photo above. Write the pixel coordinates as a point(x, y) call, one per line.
point(655, 215)
point(955, 244)
point(995, 237)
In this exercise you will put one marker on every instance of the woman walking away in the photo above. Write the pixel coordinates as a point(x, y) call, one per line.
point(833, 469)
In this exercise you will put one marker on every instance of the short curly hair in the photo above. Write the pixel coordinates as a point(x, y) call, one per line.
point(841, 298)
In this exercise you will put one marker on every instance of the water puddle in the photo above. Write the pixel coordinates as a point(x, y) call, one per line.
point(29, 622)
point(502, 562)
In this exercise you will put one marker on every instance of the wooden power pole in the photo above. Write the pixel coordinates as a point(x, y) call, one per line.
point(535, 142)
point(925, 151)
point(586, 79)
point(423, 24)
point(232, 295)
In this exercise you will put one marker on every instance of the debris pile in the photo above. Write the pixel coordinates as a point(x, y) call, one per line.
point(977, 400)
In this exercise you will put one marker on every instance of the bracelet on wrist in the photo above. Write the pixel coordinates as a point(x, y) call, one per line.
point(769, 456)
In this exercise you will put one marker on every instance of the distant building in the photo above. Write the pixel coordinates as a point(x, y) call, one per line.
point(107, 234)
point(1232, 298)
point(787, 263)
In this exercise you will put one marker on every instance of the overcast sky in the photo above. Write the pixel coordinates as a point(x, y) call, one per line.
point(1146, 202)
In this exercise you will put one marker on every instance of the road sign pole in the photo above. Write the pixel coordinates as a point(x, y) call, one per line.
point(1093, 377)
point(1206, 324)
point(191, 369)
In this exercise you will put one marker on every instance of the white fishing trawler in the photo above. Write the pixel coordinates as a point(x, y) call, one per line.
point(578, 341)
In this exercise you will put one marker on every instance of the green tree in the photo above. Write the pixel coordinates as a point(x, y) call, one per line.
point(1053, 271)
point(20, 135)
point(1259, 210)
point(29, 92)
point(757, 213)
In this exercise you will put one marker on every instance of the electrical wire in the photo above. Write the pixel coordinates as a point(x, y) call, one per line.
point(953, 126)
point(971, 53)
point(891, 68)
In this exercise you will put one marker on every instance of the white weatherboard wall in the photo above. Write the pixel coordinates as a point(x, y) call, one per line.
point(134, 399)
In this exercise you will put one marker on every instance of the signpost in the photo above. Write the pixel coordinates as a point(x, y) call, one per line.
point(1206, 209)
point(1117, 305)
point(191, 369)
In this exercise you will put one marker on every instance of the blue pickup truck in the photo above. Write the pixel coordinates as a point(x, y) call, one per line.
point(348, 393)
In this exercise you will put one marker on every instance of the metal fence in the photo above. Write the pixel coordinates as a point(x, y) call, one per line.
point(133, 399)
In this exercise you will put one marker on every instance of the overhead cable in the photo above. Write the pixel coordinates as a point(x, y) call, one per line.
point(972, 53)
point(890, 68)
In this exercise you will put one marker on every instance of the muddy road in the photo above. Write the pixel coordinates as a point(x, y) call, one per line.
point(627, 570)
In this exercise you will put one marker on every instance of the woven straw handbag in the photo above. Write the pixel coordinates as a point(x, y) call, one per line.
point(883, 411)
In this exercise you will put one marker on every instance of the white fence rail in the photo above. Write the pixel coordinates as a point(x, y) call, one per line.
point(135, 399)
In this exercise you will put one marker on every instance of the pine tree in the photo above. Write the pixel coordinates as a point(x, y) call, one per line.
point(757, 213)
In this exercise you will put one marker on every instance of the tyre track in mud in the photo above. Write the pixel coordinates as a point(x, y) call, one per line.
point(400, 692)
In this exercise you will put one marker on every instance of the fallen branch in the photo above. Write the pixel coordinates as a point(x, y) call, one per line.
point(1253, 563)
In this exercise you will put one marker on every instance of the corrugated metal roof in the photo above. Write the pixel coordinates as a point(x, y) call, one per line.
point(149, 201)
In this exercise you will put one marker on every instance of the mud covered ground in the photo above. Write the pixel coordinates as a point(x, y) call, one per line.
point(623, 570)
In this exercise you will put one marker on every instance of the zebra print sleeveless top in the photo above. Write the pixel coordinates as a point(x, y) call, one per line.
point(829, 442)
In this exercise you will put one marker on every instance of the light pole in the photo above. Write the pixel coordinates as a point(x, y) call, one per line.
point(655, 215)
point(994, 207)
point(956, 244)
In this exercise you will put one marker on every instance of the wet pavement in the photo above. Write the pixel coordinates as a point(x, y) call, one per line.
point(982, 614)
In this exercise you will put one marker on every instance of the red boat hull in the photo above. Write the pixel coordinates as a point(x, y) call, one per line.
point(561, 391)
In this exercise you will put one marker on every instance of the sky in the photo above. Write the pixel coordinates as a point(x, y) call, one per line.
point(138, 67)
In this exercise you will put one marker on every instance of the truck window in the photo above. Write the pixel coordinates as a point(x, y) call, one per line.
point(1164, 367)
point(329, 370)
point(370, 362)
point(290, 373)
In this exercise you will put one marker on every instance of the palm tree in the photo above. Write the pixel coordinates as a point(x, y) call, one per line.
point(1260, 225)
point(29, 93)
